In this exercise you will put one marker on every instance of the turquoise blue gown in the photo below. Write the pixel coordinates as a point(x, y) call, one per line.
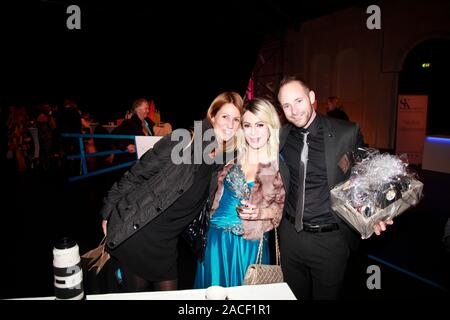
point(228, 254)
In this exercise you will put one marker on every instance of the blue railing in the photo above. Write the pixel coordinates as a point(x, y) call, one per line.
point(83, 155)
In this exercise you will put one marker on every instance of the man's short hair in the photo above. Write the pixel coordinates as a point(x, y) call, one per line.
point(288, 79)
point(137, 103)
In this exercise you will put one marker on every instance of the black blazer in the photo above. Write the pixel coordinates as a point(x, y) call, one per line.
point(341, 139)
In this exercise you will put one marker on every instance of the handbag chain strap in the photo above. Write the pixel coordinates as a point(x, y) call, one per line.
point(260, 249)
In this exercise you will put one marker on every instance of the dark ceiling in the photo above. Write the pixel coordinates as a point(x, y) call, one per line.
point(180, 54)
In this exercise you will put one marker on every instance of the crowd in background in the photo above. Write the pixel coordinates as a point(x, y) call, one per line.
point(32, 139)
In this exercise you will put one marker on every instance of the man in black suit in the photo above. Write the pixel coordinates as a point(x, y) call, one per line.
point(138, 125)
point(315, 243)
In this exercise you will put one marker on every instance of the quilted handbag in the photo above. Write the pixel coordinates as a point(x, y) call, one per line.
point(259, 273)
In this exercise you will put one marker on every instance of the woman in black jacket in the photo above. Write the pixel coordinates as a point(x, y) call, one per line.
point(149, 207)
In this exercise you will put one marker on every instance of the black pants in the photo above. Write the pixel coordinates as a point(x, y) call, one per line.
point(313, 263)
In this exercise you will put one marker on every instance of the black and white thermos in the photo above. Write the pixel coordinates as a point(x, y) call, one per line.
point(68, 274)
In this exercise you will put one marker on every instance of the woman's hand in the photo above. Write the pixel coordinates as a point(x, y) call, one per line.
point(104, 226)
point(250, 211)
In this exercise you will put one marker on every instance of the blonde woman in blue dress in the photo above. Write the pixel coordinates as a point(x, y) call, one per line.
point(252, 184)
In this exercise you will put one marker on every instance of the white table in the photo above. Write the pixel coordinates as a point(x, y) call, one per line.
point(276, 291)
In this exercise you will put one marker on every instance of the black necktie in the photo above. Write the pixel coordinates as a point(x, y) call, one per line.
point(301, 181)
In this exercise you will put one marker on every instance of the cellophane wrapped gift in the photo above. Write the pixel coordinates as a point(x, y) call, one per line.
point(380, 188)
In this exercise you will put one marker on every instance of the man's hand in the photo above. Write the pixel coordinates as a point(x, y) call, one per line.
point(381, 226)
point(131, 148)
point(344, 163)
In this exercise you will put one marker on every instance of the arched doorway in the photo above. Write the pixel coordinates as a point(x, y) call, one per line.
point(426, 71)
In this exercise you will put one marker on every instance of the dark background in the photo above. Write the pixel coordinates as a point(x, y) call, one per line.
point(431, 81)
point(179, 53)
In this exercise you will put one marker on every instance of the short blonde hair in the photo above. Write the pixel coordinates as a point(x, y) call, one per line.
point(265, 111)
